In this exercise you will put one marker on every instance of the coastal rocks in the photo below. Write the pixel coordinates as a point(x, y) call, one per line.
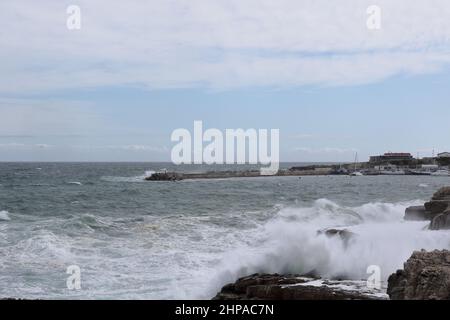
point(426, 276)
point(417, 213)
point(442, 194)
point(290, 287)
point(439, 203)
point(164, 176)
point(441, 221)
point(342, 234)
point(436, 206)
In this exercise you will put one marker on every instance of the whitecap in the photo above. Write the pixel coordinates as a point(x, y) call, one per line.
point(75, 183)
point(4, 216)
point(290, 244)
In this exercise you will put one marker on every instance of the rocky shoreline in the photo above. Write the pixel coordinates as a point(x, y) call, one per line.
point(437, 211)
point(426, 275)
point(296, 287)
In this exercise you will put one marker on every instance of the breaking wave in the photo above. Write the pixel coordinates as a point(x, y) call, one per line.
point(140, 178)
point(4, 216)
point(290, 243)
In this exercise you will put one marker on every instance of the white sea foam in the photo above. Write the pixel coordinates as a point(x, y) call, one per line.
point(140, 178)
point(4, 216)
point(289, 243)
point(77, 183)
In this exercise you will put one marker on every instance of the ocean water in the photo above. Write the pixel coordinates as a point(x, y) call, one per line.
point(134, 239)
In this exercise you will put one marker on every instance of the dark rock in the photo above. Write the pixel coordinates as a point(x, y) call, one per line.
point(417, 213)
point(426, 276)
point(441, 221)
point(165, 176)
point(442, 194)
point(437, 206)
point(343, 234)
point(289, 287)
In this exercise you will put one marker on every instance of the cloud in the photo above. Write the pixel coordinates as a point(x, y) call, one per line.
point(325, 150)
point(219, 44)
point(15, 145)
point(139, 148)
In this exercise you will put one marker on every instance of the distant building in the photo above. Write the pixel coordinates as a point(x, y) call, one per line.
point(443, 155)
point(391, 157)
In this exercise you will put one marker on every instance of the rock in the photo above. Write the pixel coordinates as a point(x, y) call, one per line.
point(437, 206)
point(441, 221)
point(439, 203)
point(426, 276)
point(442, 194)
point(289, 287)
point(417, 213)
point(343, 234)
point(165, 176)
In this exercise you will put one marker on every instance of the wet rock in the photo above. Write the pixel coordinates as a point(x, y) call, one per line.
point(426, 276)
point(442, 194)
point(288, 287)
point(435, 207)
point(343, 234)
point(165, 176)
point(417, 213)
point(441, 221)
point(439, 203)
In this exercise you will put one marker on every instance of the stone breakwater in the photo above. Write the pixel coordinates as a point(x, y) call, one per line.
point(175, 176)
point(426, 275)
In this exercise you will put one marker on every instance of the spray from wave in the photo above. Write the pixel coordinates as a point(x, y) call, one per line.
point(140, 178)
point(4, 216)
point(290, 243)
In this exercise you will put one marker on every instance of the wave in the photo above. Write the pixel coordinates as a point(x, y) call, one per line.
point(4, 216)
point(77, 183)
point(140, 178)
point(290, 243)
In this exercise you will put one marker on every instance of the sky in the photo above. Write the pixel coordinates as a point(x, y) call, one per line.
point(135, 71)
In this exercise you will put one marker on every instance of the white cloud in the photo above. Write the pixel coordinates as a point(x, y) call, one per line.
point(15, 145)
point(218, 44)
point(139, 148)
point(325, 150)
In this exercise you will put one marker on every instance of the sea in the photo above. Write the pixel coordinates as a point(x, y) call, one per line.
point(136, 239)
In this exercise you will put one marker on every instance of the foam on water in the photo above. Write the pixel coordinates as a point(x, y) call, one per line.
point(76, 183)
point(289, 243)
point(140, 178)
point(4, 216)
point(163, 241)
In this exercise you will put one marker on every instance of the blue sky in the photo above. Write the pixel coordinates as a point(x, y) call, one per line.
point(116, 89)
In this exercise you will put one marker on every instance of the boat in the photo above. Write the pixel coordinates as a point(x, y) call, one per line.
point(441, 173)
point(418, 173)
point(393, 172)
point(356, 173)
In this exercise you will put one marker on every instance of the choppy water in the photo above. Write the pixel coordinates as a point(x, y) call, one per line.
point(163, 240)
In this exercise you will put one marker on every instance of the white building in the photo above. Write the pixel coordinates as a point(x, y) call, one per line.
point(444, 155)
